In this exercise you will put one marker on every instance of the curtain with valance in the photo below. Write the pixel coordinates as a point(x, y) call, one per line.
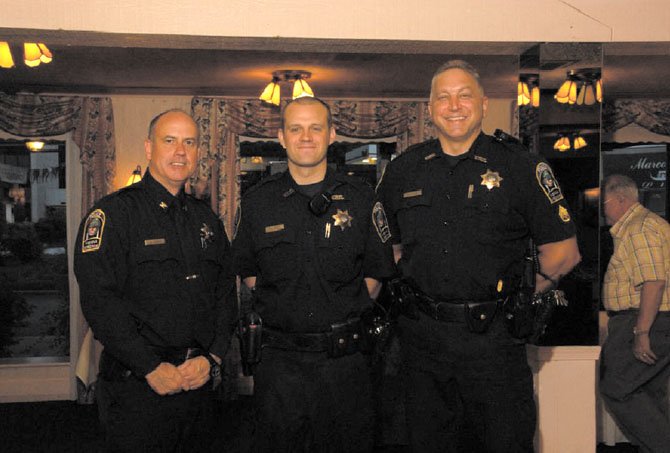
point(651, 114)
point(90, 119)
point(221, 121)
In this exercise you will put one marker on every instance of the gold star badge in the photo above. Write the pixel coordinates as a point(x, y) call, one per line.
point(342, 219)
point(491, 179)
point(163, 205)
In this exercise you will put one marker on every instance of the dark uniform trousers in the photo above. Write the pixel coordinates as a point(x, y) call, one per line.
point(636, 393)
point(305, 403)
point(484, 389)
point(136, 419)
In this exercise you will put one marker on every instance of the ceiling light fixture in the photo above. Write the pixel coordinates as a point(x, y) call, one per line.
point(6, 60)
point(35, 146)
point(578, 142)
point(272, 92)
point(34, 54)
point(582, 87)
point(562, 144)
point(528, 90)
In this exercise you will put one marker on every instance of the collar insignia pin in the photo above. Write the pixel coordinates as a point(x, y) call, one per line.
point(342, 219)
point(491, 179)
point(163, 205)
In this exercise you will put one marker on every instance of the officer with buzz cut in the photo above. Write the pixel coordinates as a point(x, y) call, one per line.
point(313, 246)
point(153, 269)
point(461, 210)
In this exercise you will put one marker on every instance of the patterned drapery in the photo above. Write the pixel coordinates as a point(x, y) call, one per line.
point(651, 114)
point(91, 119)
point(221, 121)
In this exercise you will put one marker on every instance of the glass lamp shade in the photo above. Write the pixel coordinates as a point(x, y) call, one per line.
point(271, 93)
point(579, 142)
point(36, 53)
point(523, 94)
point(535, 96)
point(301, 89)
point(562, 144)
point(563, 92)
point(6, 60)
point(136, 176)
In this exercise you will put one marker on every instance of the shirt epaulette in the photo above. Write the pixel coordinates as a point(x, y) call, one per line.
point(508, 141)
point(263, 182)
point(419, 150)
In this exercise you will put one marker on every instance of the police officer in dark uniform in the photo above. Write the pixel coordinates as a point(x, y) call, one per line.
point(153, 270)
point(461, 209)
point(309, 248)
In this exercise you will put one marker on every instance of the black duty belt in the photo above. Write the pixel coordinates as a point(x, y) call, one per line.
point(452, 311)
point(304, 342)
point(343, 338)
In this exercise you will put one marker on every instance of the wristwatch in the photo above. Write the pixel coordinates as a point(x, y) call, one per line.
point(214, 367)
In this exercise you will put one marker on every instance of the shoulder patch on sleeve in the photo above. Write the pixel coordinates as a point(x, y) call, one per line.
point(547, 181)
point(93, 228)
point(381, 222)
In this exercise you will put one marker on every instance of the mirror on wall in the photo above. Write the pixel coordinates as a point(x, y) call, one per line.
point(559, 118)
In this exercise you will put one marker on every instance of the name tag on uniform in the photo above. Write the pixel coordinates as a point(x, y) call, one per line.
point(274, 228)
point(412, 194)
point(159, 241)
point(337, 197)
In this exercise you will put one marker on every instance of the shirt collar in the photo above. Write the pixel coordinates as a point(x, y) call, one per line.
point(476, 151)
point(625, 219)
point(162, 198)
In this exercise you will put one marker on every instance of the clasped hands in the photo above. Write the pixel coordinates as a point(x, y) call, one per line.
point(168, 379)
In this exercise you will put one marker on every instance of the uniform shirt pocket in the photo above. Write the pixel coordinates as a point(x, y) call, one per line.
point(413, 214)
point(277, 255)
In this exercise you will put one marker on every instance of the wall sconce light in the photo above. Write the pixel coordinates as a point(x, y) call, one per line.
point(136, 176)
point(582, 87)
point(272, 92)
point(35, 146)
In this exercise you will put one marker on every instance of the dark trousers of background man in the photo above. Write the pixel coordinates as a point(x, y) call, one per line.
point(466, 392)
point(636, 393)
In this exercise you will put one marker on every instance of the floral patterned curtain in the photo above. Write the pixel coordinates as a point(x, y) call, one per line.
point(651, 114)
point(91, 119)
point(221, 121)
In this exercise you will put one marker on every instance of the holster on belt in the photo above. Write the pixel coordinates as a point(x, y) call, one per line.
point(250, 333)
